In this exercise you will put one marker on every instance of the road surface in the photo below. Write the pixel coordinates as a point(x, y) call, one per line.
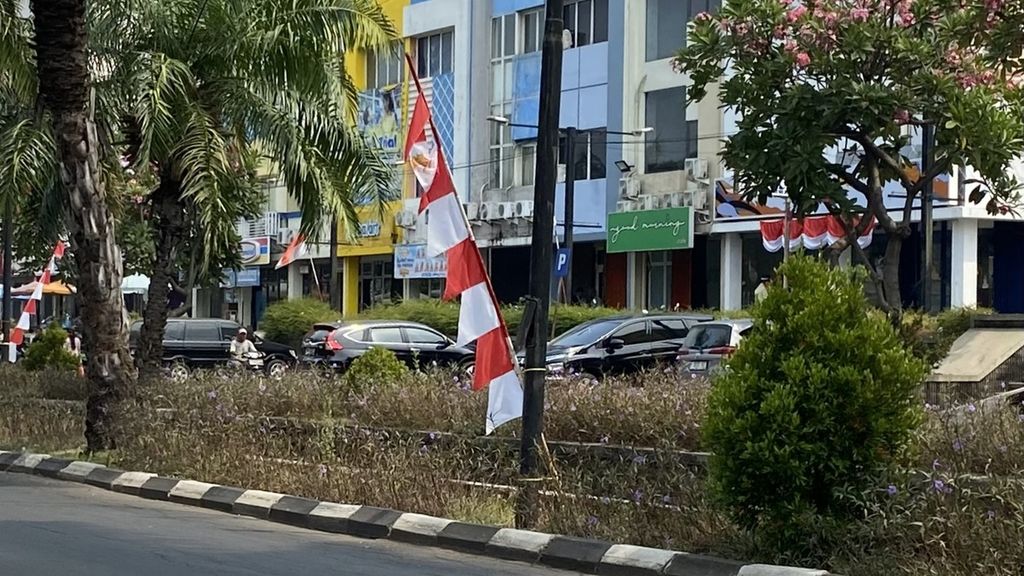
point(53, 527)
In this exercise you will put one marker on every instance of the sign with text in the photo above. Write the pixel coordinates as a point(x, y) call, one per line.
point(563, 262)
point(411, 261)
point(244, 278)
point(255, 251)
point(647, 230)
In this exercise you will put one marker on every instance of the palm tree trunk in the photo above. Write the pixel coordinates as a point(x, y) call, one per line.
point(169, 223)
point(63, 69)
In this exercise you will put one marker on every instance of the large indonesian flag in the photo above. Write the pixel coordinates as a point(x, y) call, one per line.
point(448, 233)
point(17, 336)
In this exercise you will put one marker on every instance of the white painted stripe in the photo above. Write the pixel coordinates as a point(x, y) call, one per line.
point(131, 480)
point(78, 470)
point(28, 462)
point(24, 322)
point(504, 400)
point(513, 539)
point(477, 314)
point(258, 499)
point(420, 524)
point(446, 226)
point(651, 559)
point(37, 292)
point(190, 490)
point(332, 510)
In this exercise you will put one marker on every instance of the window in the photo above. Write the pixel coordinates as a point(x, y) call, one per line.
point(709, 336)
point(675, 138)
point(589, 156)
point(587, 20)
point(667, 24)
point(502, 147)
point(532, 30)
point(386, 335)
point(527, 164)
point(659, 280)
point(667, 329)
point(175, 332)
point(434, 54)
point(421, 336)
point(384, 69)
point(203, 332)
point(635, 333)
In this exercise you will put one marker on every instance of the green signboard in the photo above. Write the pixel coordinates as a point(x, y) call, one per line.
point(666, 229)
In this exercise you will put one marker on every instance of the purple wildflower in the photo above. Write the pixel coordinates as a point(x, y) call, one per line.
point(639, 460)
point(958, 445)
point(434, 436)
point(666, 499)
point(892, 490)
point(424, 449)
point(991, 514)
point(592, 521)
point(939, 485)
point(637, 495)
point(972, 408)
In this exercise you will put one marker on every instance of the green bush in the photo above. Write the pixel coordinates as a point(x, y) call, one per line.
point(930, 337)
point(376, 367)
point(289, 320)
point(813, 406)
point(444, 316)
point(48, 352)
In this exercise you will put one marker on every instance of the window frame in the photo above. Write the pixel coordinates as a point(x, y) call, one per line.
point(427, 69)
point(597, 32)
point(394, 64)
point(371, 335)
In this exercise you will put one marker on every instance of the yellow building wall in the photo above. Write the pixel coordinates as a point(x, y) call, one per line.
point(383, 243)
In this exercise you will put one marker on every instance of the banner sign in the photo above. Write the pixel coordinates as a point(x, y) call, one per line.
point(647, 230)
point(255, 251)
point(411, 261)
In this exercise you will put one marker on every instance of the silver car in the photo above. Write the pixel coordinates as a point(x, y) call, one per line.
point(708, 343)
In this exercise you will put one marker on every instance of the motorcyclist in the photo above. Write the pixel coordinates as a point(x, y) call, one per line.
point(241, 346)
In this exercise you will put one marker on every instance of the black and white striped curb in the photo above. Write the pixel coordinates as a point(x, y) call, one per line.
point(579, 554)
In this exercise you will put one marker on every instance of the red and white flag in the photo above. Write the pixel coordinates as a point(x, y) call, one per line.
point(295, 250)
point(448, 233)
point(24, 322)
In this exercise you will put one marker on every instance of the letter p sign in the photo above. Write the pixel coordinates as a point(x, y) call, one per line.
point(563, 259)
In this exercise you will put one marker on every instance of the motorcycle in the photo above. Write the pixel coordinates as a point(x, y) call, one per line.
point(251, 361)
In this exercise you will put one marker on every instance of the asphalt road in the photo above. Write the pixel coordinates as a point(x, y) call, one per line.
point(53, 527)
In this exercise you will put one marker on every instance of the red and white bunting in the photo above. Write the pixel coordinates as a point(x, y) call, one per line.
point(812, 233)
point(448, 233)
point(30, 308)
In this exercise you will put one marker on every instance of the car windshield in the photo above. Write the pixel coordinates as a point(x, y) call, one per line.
point(586, 334)
point(319, 334)
point(703, 336)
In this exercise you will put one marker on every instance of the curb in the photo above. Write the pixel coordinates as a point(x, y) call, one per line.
point(580, 554)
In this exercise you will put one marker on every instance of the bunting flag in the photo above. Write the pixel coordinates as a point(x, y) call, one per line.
point(296, 249)
point(24, 322)
point(812, 233)
point(448, 233)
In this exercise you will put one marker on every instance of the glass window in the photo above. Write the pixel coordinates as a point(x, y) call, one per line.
point(422, 53)
point(659, 280)
point(532, 31)
point(569, 20)
point(584, 14)
point(434, 54)
point(704, 336)
point(587, 20)
point(384, 69)
point(598, 154)
point(668, 329)
point(390, 335)
point(422, 336)
point(668, 149)
point(635, 333)
point(667, 21)
point(529, 164)
point(600, 21)
point(203, 332)
point(586, 334)
point(446, 52)
point(175, 331)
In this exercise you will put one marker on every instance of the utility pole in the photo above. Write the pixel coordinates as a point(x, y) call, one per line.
point(570, 200)
point(334, 284)
point(927, 225)
point(540, 261)
point(8, 312)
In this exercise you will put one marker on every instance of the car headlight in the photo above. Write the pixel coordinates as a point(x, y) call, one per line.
point(293, 354)
point(556, 367)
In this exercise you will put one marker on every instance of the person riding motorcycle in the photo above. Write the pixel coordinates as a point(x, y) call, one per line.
point(241, 346)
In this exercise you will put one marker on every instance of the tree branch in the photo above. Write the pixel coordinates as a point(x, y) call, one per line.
point(936, 169)
point(849, 179)
point(871, 148)
point(876, 203)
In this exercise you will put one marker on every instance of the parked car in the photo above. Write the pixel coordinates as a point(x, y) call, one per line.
point(336, 345)
point(709, 343)
point(204, 343)
point(619, 345)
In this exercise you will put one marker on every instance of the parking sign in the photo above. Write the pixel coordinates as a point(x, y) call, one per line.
point(563, 261)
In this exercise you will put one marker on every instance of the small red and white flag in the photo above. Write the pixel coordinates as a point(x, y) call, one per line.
point(448, 233)
point(25, 321)
point(295, 250)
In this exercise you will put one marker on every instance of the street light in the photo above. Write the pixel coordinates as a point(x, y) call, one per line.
point(571, 134)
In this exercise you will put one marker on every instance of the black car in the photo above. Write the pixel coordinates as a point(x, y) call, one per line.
point(336, 345)
point(203, 343)
point(619, 345)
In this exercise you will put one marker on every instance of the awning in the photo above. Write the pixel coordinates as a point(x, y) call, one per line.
point(812, 233)
point(56, 288)
point(135, 284)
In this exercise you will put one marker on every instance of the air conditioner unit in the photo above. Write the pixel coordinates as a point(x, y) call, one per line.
point(489, 210)
point(524, 209)
point(630, 188)
point(405, 219)
point(506, 210)
point(678, 199)
point(286, 235)
point(697, 168)
point(472, 210)
point(625, 206)
point(651, 202)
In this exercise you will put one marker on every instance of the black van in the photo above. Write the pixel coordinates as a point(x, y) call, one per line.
point(203, 343)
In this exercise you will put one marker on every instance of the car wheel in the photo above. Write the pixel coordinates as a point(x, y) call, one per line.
point(178, 372)
point(276, 369)
point(468, 368)
point(589, 378)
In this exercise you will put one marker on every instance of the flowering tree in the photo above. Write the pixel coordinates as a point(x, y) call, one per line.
point(811, 79)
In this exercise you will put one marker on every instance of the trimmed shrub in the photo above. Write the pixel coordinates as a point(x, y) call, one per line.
point(818, 400)
point(376, 367)
point(48, 351)
point(288, 321)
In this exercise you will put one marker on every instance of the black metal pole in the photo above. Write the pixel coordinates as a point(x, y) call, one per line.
point(570, 193)
point(927, 225)
point(540, 265)
point(8, 312)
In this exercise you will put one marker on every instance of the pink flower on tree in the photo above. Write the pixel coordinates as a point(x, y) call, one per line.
point(702, 17)
point(796, 13)
point(803, 59)
point(902, 117)
point(859, 14)
point(790, 46)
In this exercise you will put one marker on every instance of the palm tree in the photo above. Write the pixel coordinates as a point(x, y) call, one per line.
point(63, 71)
point(212, 90)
